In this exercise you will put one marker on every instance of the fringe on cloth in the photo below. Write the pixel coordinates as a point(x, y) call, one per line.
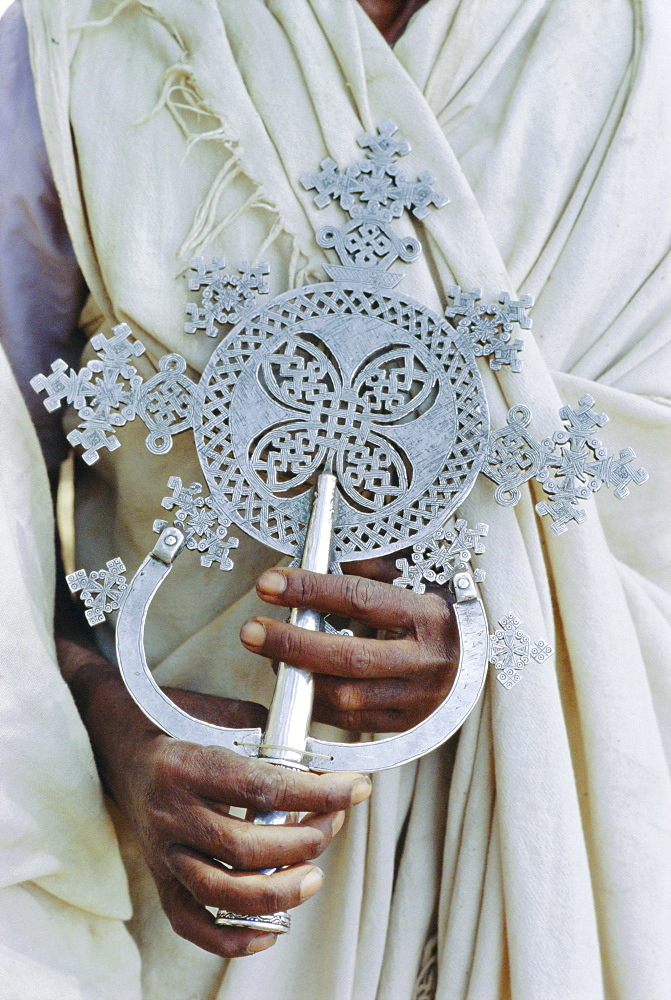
point(427, 975)
point(198, 122)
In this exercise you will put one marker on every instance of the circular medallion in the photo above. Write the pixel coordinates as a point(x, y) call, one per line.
point(347, 379)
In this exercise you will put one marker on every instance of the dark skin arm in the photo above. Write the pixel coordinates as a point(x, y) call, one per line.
point(177, 796)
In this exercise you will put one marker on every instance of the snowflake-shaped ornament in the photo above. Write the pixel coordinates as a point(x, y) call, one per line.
point(571, 465)
point(345, 377)
point(510, 650)
point(372, 191)
point(225, 297)
point(203, 528)
point(102, 591)
point(447, 552)
point(488, 328)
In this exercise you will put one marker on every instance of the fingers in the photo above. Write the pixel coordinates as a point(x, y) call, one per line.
point(246, 846)
point(250, 893)
point(194, 923)
point(225, 777)
point(370, 706)
point(185, 824)
point(320, 652)
point(367, 601)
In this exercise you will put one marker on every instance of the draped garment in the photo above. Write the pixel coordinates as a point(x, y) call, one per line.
point(531, 860)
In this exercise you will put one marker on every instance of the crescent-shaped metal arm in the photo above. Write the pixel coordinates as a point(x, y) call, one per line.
point(390, 751)
point(319, 755)
point(133, 663)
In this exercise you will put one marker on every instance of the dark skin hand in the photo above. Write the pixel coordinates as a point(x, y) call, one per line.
point(362, 684)
point(177, 795)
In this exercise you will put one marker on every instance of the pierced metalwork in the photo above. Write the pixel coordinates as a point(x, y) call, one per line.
point(341, 420)
point(514, 456)
point(488, 328)
point(102, 591)
point(344, 376)
point(372, 191)
point(355, 379)
point(571, 465)
point(203, 528)
point(341, 427)
point(446, 552)
point(108, 392)
point(224, 297)
point(104, 392)
point(510, 650)
point(375, 186)
point(166, 403)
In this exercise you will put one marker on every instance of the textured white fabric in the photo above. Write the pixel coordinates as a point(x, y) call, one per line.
point(544, 850)
point(63, 895)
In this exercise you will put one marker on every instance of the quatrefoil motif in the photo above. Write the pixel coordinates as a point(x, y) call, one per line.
point(341, 424)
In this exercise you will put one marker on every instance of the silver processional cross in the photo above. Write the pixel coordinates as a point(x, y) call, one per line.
point(342, 420)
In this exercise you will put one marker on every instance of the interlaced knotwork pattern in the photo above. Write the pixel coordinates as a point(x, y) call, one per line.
point(571, 465)
point(332, 404)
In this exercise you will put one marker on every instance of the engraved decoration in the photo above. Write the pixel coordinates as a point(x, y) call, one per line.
point(488, 329)
point(447, 551)
point(101, 591)
point(510, 650)
point(344, 376)
point(204, 529)
point(274, 920)
point(340, 376)
point(372, 191)
point(370, 394)
point(224, 297)
point(571, 465)
point(108, 392)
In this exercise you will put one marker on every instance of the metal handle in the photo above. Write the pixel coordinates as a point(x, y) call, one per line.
point(274, 923)
point(291, 706)
point(290, 710)
point(319, 755)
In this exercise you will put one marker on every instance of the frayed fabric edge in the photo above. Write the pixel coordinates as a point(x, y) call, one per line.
point(427, 976)
point(181, 97)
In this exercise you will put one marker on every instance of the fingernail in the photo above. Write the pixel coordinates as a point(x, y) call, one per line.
point(260, 943)
point(361, 790)
point(311, 883)
point(271, 582)
point(253, 633)
point(337, 822)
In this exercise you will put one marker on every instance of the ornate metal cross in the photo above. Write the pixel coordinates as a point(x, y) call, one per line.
point(340, 420)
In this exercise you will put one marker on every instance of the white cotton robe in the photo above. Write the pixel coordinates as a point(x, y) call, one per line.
point(537, 855)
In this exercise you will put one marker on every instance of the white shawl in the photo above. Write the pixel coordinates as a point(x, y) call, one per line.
point(541, 857)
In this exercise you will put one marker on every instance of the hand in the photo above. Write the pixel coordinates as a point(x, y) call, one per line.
point(177, 797)
point(362, 685)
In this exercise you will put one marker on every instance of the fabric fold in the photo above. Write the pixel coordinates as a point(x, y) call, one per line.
point(537, 118)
